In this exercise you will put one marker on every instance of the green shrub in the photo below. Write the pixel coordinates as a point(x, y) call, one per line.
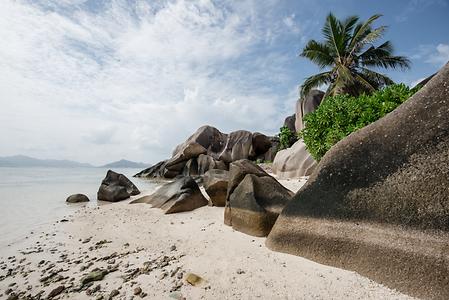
point(286, 138)
point(340, 115)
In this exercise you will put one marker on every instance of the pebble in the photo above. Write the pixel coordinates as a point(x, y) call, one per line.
point(137, 291)
point(55, 292)
point(193, 279)
point(113, 294)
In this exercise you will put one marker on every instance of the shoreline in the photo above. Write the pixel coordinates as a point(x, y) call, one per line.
point(126, 238)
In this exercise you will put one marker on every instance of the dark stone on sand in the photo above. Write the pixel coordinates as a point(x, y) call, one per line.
point(116, 187)
point(55, 292)
point(215, 183)
point(180, 195)
point(255, 199)
point(76, 198)
point(95, 275)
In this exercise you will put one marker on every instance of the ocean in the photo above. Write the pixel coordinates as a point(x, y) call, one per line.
point(31, 198)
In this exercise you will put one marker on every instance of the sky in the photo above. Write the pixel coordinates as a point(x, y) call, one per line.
point(97, 81)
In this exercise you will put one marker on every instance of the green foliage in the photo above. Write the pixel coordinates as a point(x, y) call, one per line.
point(286, 138)
point(261, 161)
point(340, 115)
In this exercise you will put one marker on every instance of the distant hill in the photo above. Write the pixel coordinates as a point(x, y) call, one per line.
point(123, 163)
point(26, 161)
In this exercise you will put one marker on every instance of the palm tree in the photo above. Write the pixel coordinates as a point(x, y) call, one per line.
point(349, 51)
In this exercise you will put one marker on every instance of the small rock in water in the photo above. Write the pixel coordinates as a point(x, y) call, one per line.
point(194, 279)
point(173, 248)
point(137, 291)
point(240, 271)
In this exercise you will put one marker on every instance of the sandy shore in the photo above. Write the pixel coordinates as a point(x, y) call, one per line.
point(139, 247)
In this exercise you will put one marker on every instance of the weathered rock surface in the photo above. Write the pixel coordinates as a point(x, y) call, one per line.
point(116, 187)
point(180, 195)
point(305, 106)
point(254, 199)
point(378, 201)
point(76, 198)
point(294, 162)
point(208, 148)
point(290, 121)
point(215, 183)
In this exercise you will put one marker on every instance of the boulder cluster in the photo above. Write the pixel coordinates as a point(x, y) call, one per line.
point(252, 198)
point(208, 149)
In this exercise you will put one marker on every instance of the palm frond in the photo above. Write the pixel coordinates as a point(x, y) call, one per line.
point(382, 57)
point(332, 34)
point(348, 27)
point(360, 31)
point(318, 53)
point(375, 77)
point(315, 81)
point(370, 87)
point(373, 35)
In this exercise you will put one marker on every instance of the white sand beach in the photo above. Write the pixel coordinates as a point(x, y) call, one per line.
point(156, 251)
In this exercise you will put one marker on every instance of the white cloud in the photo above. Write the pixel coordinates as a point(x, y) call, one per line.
point(133, 79)
point(437, 55)
point(415, 82)
point(440, 56)
point(291, 24)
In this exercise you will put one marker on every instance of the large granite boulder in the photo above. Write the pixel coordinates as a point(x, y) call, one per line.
point(180, 195)
point(215, 183)
point(155, 171)
point(201, 164)
point(77, 198)
point(254, 199)
point(294, 162)
point(207, 162)
point(208, 148)
point(290, 122)
point(260, 145)
point(306, 105)
point(207, 136)
point(238, 146)
point(378, 201)
point(116, 187)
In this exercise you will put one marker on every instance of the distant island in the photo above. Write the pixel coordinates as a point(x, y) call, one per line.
point(123, 163)
point(18, 161)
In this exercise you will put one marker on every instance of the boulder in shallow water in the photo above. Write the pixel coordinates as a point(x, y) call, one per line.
point(215, 183)
point(180, 195)
point(116, 187)
point(378, 201)
point(77, 198)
